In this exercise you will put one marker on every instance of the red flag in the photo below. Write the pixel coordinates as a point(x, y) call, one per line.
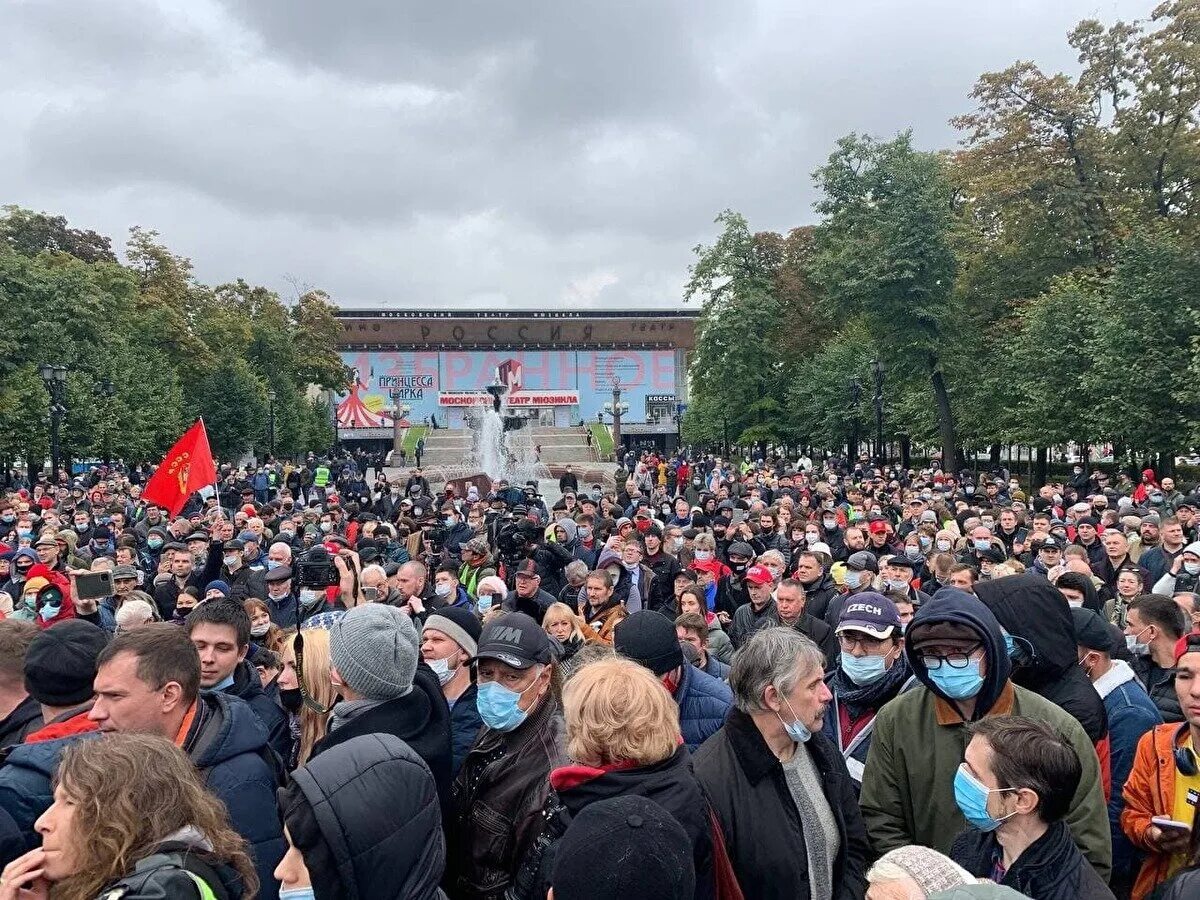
point(187, 467)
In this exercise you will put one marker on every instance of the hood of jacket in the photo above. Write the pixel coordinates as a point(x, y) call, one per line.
point(952, 606)
point(228, 728)
point(376, 806)
point(246, 682)
point(1030, 607)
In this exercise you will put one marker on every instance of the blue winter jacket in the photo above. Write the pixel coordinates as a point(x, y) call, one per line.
point(1131, 713)
point(465, 724)
point(704, 702)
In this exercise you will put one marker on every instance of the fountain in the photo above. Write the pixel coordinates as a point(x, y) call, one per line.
point(502, 447)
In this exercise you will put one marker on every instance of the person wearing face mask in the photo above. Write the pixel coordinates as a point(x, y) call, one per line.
point(899, 572)
point(20, 564)
point(1131, 713)
point(448, 591)
point(375, 667)
point(1153, 626)
point(778, 787)
point(956, 649)
point(1014, 787)
point(664, 567)
point(226, 562)
point(1184, 573)
point(871, 671)
point(449, 639)
point(503, 784)
point(861, 569)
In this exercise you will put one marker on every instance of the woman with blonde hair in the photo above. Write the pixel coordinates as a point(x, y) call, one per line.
point(131, 818)
point(564, 625)
point(623, 738)
point(308, 709)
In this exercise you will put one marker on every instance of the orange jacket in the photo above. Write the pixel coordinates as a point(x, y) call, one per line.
point(1149, 792)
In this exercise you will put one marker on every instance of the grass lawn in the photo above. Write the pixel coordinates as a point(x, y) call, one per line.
point(602, 438)
point(415, 433)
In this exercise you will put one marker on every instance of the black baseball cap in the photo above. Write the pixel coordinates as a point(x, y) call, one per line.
point(515, 640)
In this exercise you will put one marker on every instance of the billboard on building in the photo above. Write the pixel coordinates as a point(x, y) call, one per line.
point(569, 384)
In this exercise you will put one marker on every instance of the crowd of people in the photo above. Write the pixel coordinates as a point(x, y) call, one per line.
point(711, 678)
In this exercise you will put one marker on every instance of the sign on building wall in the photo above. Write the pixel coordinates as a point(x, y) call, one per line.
point(574, 383)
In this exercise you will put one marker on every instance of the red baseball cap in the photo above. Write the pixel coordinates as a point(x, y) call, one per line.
point(879, 526)
point(759, 575)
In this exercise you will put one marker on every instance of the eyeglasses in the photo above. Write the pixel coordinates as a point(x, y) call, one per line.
point(868, 644)
point(956, 660)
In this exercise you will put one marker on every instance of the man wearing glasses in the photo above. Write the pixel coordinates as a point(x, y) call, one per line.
point(956, 650)
point(870, 671)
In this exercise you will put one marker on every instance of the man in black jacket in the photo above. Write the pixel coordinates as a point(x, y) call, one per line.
point(220, 632)
point(373, 651)
point(779, 789)
point(791, 607)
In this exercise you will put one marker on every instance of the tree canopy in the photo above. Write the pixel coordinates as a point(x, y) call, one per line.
point(1035, 285)
point(149, 349)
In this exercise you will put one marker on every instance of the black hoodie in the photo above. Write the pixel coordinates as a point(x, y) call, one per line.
point(953, 606)
point(1031, 608)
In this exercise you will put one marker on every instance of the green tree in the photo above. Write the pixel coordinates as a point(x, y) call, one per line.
point(233, 403)
point(884, 254)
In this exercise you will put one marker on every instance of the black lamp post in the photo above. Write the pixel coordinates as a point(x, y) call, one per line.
point(616, 409)
point(855, 398)
point(271, 422)
point(55, 380)
point(880, 449)
point(104, 388)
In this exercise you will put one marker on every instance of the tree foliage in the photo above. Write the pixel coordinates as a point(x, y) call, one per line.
point(167, 348)
point(1037, 285)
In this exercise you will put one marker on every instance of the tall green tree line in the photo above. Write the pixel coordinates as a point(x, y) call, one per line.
point(1036, 285)
point(149, 349)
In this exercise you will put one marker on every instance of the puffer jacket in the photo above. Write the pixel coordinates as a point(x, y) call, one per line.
point(498, 799)
point(1051, 868)
point(229, 746)
point(670, 783)
point(704, 702)
point(376, 805)
point(174, 870)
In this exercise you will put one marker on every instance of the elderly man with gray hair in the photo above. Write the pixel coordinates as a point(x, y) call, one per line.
point(781, 791)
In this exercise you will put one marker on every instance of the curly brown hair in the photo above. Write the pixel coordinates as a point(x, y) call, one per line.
point(132, 791)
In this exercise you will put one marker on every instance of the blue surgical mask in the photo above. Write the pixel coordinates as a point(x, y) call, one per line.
point(485, 602)
point(982, 545)
point(1009, 646)
point(972, 798)
point(303, 893)
point(1136, 647)
point(863, 669)
point(498, 706)
point(958, 684)
point(153, 543)
point(796, 730)
point(49, 611)
point(273, 564)
point(231, 559)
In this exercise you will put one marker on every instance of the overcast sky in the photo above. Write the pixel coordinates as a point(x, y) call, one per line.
point(535, 154)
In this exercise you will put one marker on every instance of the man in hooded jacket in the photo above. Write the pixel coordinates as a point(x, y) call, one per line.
point(1044, 654)
point(920, 737)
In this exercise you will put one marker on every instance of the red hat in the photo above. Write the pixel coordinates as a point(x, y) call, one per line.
point(249, 509)
point(1189, 643)
point(879, 526)
point(759, 575)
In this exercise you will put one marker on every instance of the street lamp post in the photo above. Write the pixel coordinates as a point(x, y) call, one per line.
point(104, 388)
point(616, 409)
point(880, 449)
point(271, 423)
point(55, 380)
point(855, 399)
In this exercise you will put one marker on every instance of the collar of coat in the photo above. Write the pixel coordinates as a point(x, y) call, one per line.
point(948, 714)
point(751, 750)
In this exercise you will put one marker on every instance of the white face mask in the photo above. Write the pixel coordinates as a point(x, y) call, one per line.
point(703, 555)
point(442, 590)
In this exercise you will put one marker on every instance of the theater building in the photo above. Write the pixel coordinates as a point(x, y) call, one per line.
point(559, 368)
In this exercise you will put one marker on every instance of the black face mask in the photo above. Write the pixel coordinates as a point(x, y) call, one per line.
point(291, 699)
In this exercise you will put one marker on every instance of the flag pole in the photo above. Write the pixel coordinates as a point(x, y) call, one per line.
point(216, 492)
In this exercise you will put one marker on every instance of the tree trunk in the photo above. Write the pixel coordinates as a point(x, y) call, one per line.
point(945, 416)
point(905, 450)
point(1040, 472)
point(994, 456)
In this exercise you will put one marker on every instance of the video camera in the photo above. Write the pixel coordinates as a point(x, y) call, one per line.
point(315, 569)
point(515, 539)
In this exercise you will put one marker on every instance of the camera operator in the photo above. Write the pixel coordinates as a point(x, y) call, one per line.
point(456, 533)
point(525, 540)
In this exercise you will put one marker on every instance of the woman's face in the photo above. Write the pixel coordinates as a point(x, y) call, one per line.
point(259, 617)
point(287, 677)
point(689, 604)
point(559, 629)
point(1129, 584)
point(60, 842)
point(291, 871)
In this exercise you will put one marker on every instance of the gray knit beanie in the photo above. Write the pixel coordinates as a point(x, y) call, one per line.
point(374, 649)
point(927, 867)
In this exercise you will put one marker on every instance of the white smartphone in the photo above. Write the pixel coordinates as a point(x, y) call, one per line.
point(1164, 822)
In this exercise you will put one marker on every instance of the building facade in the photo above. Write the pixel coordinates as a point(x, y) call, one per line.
point(559, 368)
